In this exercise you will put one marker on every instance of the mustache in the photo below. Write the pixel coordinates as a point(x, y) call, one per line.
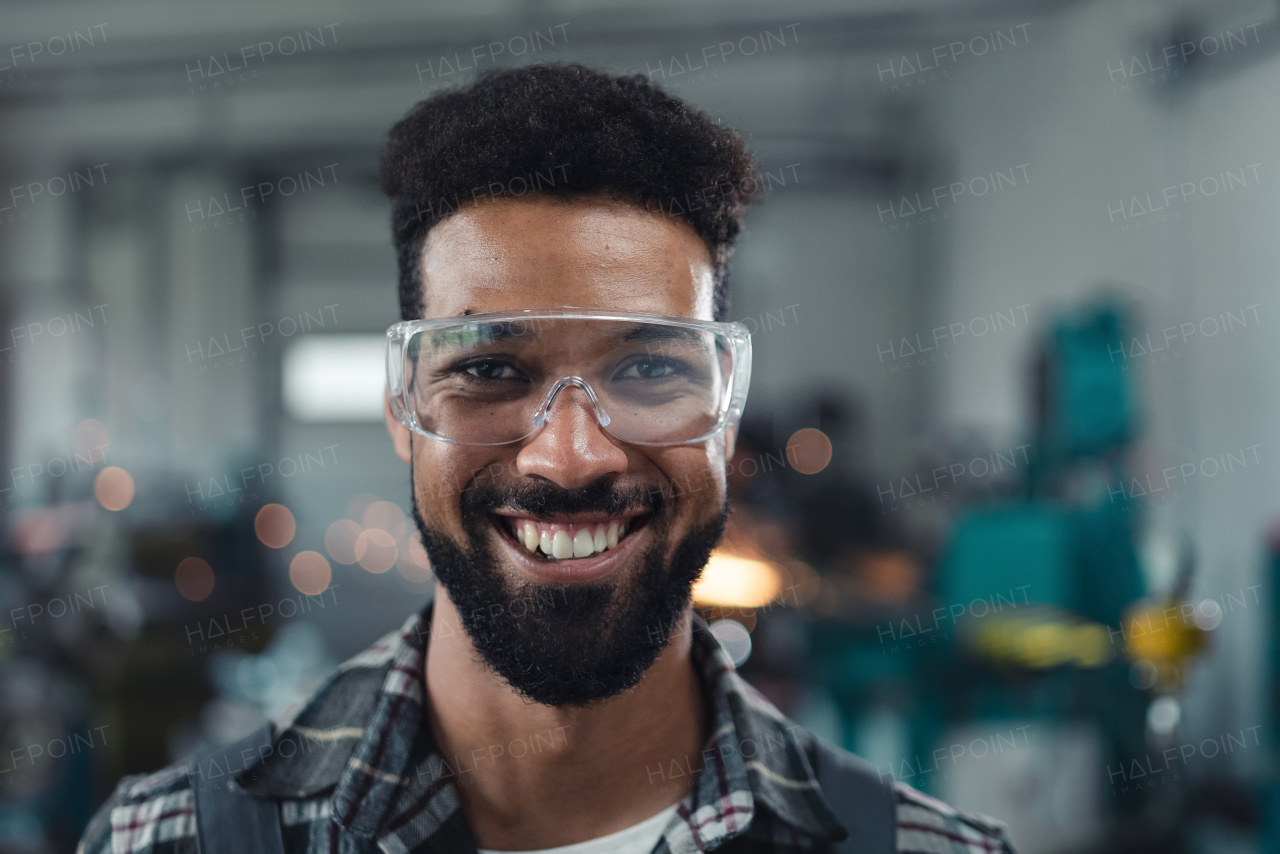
point(546, 498)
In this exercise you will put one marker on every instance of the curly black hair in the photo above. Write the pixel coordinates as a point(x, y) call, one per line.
point(566, 131)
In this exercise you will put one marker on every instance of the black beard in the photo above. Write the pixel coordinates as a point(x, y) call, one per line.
point(569, 645)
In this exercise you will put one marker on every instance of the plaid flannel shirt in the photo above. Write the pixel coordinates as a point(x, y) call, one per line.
point(356, 770)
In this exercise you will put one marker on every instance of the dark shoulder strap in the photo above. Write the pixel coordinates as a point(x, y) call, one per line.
point(229, 821)
point(861, 800)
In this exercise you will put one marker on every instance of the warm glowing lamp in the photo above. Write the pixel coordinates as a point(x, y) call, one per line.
point(737, 582)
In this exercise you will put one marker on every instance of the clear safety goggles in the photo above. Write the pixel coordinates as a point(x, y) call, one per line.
point(492, 379)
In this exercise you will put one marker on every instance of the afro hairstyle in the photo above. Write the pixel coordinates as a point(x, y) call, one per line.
point(566, 131)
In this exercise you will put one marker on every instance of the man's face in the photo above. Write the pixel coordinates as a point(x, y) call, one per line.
point(567, 631)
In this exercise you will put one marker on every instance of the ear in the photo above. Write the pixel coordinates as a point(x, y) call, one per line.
point(400, 434)
point(730, 441)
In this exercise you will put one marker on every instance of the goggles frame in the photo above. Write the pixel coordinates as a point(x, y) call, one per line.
point(731, 407)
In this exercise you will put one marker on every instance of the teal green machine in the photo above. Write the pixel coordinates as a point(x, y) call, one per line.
point(1271, 797)
point(1059, 548)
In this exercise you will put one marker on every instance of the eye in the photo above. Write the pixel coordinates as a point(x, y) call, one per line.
point(650, 369)
point(489, 369)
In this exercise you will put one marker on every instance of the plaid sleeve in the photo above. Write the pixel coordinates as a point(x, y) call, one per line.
point(97, 835)
point(928, 826)
point(148, 814)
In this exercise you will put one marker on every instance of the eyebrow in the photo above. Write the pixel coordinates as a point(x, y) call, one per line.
point(516, 329)
point(657, 332)
point(506, 330)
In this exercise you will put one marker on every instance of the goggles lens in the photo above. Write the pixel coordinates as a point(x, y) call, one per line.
point(493, 381)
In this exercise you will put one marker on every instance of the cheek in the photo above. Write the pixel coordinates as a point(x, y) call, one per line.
point(697, 476)
point(440, 474)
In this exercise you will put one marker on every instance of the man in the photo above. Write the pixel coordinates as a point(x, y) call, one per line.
point(566, 394)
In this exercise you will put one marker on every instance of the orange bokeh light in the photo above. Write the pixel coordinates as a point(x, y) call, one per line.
point(310, 573)
point(194, 579)
point(809, 450)
point(113, 488)
point(275, 526)
point(376, 550)
point(383, 514)
point(340, 540)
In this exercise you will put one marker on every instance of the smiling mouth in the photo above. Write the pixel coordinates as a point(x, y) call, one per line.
point(569, 540)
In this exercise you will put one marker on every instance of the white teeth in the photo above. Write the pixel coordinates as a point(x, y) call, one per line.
point(561, 546)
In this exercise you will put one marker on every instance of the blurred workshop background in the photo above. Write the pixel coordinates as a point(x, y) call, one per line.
point(1004, 491)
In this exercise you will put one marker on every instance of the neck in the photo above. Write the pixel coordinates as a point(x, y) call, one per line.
point(531, 776)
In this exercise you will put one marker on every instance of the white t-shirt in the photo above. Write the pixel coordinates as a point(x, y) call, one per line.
point(636, 839)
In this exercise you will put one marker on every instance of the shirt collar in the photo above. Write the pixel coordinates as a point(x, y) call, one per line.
point(364, 734)
point(354, 725)
point(758, 748)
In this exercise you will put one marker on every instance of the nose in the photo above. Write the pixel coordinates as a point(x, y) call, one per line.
point(571, 449)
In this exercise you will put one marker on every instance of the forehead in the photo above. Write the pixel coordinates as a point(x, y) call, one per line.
point(540, 252)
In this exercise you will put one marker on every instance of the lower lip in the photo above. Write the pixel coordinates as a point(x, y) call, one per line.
point(571, 570)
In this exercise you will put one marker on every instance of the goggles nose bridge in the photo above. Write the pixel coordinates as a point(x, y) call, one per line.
point(540, 417)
